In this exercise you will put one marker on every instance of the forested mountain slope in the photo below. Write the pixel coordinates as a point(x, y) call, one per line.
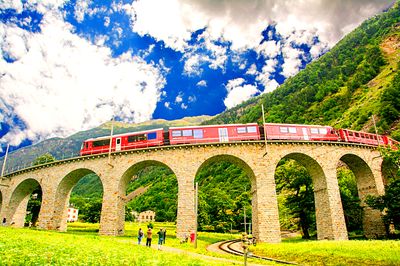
point(358, 78)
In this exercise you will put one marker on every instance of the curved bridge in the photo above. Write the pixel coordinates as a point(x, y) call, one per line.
point(320, 158)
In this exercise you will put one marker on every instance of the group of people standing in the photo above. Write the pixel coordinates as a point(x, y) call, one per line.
point(149, 235)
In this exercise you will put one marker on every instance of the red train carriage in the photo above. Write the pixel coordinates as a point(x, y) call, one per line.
point(214, 133)
point(124, 141)
point(300, 132)
point(362, 137)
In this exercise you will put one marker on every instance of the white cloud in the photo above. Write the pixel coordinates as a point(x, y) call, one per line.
point(238, 92)
point(270, 85)
point(241, 22)
point(106, 21)
point(11, 4)
point(192, 65)
point(201, 83)
point(269, 49)
point(179, 98)
point(81, 7)
point(264, 76)
point(184, 106)
point(167, 105)
point(252, 70)
point(61, 83)
point(292, 61)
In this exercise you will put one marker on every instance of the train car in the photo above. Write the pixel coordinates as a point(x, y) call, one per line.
point(362, 137)
point(214, 133)
point(299, 132)
point(126, 141)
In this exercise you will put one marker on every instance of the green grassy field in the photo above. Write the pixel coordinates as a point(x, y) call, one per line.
point(34, 247)
point(81, 245)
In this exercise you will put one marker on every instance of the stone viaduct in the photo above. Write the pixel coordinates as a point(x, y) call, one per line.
point(321, 159)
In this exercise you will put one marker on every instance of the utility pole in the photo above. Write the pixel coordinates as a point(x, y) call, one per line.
point(111, 134)
point(245, 230)
point(196, 206)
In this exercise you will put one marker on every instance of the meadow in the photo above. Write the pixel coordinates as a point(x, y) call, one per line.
point(81, 245)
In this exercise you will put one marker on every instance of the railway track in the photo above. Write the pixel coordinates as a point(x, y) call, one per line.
point(227, 246)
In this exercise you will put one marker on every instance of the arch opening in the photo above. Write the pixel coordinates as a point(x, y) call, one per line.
point(79, 196)
point(369, 222)
point(151, 195)
point(225, 202)
point(310, 199)
point(25, 202)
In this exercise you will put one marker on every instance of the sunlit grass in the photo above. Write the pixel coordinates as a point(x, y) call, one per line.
point(34, 247)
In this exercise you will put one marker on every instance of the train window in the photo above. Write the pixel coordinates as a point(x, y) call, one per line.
point(314, 130)
point(176, 133)
point(87, 145)
point(152, 135)
point(135, 138)
point(187, 133)
point(103, 142)
point(283, 129)
point(198, 133)
point(241, 130)
point(252, 129)
point(323, 131)
point(292, 130)
point(118, 141)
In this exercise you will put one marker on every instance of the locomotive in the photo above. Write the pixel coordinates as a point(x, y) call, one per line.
point(229, 133)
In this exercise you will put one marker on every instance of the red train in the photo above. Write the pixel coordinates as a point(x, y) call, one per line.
point(227, 133)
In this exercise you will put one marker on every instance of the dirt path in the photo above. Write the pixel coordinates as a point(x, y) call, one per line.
point(203, 257)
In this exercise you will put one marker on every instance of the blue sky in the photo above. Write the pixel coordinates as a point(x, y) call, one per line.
point(67, 66)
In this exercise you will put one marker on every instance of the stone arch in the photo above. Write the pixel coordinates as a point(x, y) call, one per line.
point(127, 177)
point(62, 196)
point(19, 201)
point(328, 207)
point(250, 174)
point(366, 185)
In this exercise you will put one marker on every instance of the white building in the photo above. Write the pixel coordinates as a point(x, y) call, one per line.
point(72, 214)
point(146, 216)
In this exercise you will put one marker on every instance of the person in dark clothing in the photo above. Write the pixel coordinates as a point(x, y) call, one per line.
point(140, 235)
point(149, 237)
point(160, 238)
point(165, 235)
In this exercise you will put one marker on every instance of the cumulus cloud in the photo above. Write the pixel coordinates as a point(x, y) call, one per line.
point(60, 83)
point(201, 83)
point(238, 92)
point(241, 22)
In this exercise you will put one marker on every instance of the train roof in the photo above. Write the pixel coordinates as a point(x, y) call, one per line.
point(208, 126)
point(295, 125)
point(125, 134)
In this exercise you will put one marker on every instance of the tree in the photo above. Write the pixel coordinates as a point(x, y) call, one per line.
point(45, 158)
point(389, 203)
point(294, 180)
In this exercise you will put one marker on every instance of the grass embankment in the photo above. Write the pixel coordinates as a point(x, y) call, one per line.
point(354, 252)
point(33, 247)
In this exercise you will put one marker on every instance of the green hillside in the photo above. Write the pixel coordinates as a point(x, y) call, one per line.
point(358, 78)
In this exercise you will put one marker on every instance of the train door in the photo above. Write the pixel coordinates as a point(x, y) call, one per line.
point(118, 144)
point(223, 134)
point(305, 134)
